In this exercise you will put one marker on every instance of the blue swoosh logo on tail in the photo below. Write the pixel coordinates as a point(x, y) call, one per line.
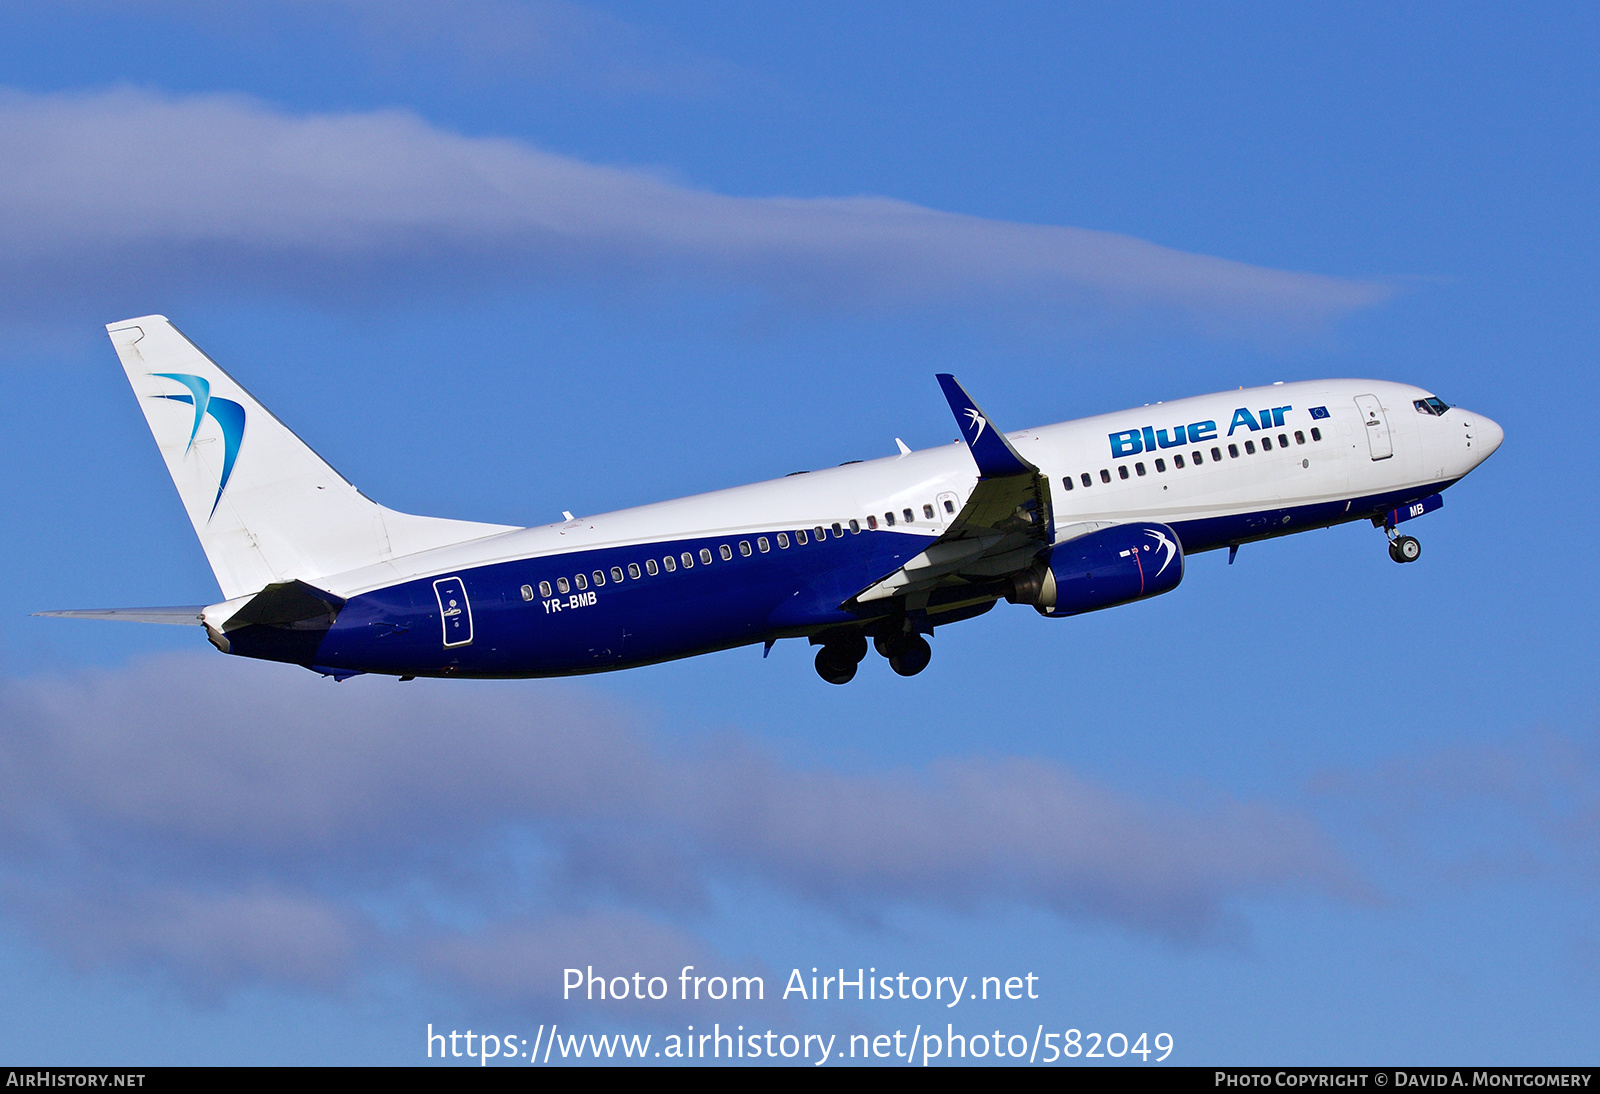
point(228, 415)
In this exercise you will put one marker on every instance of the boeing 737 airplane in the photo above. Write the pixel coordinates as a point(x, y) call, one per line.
point(1067, 518)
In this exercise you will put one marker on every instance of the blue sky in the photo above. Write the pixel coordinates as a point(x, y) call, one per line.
point(495, 260)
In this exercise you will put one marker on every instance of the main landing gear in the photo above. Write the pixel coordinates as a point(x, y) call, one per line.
point(839, 657)
point(837, 660)
point(908, 654)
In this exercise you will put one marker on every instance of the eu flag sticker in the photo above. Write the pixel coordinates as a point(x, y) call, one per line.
point(1319, 412)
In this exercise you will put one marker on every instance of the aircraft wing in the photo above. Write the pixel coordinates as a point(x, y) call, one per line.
point(185, 616)
point(1005, 523)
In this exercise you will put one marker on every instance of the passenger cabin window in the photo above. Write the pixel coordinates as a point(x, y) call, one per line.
point(633, 570)
point(1250, 447)
point(1195, 456)
point(649, 565)
point(1139, 468)
point(949, 507)
point(1283, 440)
point(888, 520)
point(911, 518)
point(763, 545)
point(838, 530)
point(1122, 470)
point(1233, 451)
point(1316, 434)
point(562, 586)
point(872, 521)
point(687, 558)
point(744, 548)
point(527, 592)
point(1067, 482)
point(599, 578)
point(1216, 454)
point(819, 534)
point(616, 573)
point(726, 552)
point(783, 540)
point(800, 537)
point(855, 527)
point(1299, 437)
point(582, 582)
point(1105, 476)
point(670, 563)
point(1266, 445)
point(1088, 480)
point(544, 588)
point(1177, 461)
point(705, 555)
point(1161, 464)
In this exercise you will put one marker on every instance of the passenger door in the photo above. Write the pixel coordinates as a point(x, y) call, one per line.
point(1377, 426)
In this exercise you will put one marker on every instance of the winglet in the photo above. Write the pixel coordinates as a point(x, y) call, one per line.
point(995, 457)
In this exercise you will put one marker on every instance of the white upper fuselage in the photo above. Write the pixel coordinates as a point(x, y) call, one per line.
point(1426, 449)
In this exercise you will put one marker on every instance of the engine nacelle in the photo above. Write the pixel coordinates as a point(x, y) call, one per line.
point(1103, 569)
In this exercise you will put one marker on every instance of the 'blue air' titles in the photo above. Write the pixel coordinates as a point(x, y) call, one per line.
point(1131, 442)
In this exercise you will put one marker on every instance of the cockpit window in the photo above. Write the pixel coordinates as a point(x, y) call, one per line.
point(1431, 405)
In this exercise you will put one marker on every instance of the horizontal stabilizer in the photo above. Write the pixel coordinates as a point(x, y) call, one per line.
point(188, 615)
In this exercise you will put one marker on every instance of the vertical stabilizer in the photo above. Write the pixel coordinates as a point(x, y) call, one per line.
point(266, 507)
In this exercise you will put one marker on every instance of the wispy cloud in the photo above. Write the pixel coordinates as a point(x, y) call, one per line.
point(231, 823)
point(456, 43)
point(1523, 807)
point(129, 188)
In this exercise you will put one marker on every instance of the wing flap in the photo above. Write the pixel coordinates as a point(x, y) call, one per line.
point(1006, 521)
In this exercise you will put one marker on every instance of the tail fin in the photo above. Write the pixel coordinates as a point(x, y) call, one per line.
point(266, 507)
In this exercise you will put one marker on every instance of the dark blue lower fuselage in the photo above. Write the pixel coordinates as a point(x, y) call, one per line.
point(796, 591)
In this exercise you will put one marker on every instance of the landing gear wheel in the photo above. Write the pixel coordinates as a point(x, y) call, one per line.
point(912, 656)
point(852, 649)
point(1405, 549)
point(834, 666)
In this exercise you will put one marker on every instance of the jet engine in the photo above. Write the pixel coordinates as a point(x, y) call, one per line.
point(1101, 570)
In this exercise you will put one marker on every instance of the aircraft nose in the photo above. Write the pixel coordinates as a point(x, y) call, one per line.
point(1486, 436)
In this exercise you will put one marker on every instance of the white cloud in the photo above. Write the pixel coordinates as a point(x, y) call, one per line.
point(128, 187)
point(257, 815)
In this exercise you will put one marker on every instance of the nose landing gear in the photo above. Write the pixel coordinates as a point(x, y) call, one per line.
point(1405, 549)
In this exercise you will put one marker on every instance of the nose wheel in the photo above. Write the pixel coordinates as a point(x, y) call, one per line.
point(1405, 549)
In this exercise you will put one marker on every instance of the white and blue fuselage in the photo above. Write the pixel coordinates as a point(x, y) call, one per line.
point(884, 549)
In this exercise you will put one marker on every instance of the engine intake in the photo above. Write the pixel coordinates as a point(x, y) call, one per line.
point(1101, 570)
